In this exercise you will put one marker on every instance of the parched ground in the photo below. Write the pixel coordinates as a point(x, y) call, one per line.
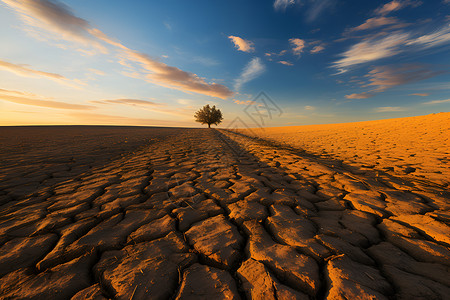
point(195, 213)
point(416, 146)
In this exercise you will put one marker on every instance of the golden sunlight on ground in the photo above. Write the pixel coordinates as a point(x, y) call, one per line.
point(399, 145)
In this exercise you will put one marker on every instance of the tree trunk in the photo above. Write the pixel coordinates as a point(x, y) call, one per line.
point(209, 125)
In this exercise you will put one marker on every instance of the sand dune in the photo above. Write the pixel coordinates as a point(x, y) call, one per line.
point(419, 146)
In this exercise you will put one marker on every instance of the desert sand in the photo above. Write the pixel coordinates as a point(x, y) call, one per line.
point(173, 213)
point(419, 146)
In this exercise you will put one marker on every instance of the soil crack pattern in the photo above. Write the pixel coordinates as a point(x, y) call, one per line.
point(213, 214)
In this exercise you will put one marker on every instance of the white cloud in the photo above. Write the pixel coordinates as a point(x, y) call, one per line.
point(309, 107)
point(389, 109)
point(297, 45)
point(437, 101)
point(380, 46)
point(241, 44)
point(252, 70)
point(282, 4)
point(371, 49)
point(439, 37)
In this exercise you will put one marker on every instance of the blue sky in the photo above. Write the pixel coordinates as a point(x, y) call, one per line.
point(157, 62)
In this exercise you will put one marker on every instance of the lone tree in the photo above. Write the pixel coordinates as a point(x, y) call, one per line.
point(209, 115)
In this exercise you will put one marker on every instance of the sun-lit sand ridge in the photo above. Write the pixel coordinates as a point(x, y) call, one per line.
point(422, 143)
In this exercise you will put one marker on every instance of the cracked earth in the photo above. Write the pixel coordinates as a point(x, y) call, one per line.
point(172, 213)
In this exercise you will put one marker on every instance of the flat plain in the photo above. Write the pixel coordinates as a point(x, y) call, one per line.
point(90, 212)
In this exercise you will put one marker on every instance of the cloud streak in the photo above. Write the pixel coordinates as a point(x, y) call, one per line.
point(382, 78)
point(34, 100)
point(364, 95)
point(56, 18)
point(378, 22)
point(420, 94)
point(395, 5)
point(286, 63)
point(371, 49)
point(252, 70)
point(437, 38)
point(437, 102)
point(389, 109)
point(132, 102)
point(26, 71)
point(385, 77)
point(241, 44)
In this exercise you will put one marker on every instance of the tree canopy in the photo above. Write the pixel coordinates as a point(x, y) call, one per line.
point(209, 115)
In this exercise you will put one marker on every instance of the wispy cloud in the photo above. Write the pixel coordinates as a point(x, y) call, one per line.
point(281, 53)
point(313, 8)
point(282, 4)
point(133, 102)
point(56, 18)
point(371, 49)
point(420, 94)
point(26, 71)
point(286, 63)
point(35, 100)
point(317, 49)
point(382, 78)
point(241, 44)
point(437, 102)
point(297, 45)
point(377, 22)
point(172, 77)
point(395, 5)
point(385, 77)
point(389, 109)
point(364, 95)
point(317, 7)
point(252, 70)
point(437, 38)
point(244, 102)
point(309, 107)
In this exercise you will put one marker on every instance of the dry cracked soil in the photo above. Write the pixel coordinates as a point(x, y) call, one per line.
point(169, 213)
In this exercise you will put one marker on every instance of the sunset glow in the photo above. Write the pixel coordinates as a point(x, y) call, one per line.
point(148, 63)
